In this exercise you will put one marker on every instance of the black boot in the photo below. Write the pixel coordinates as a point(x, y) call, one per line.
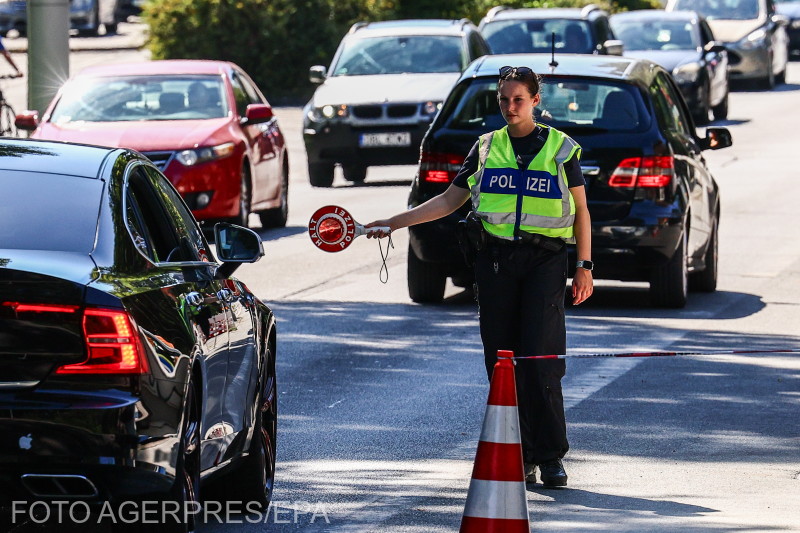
point(530, 473)
point(553, 473)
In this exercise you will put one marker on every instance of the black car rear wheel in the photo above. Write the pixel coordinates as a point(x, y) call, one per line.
point(356, 173)
point(277, 217)
point(706, 279)
point(669, 283)
point(253, 480)
point(320, 174)
point(704, 107)
point(768, 81)
point(186, 491)
point(426, 281)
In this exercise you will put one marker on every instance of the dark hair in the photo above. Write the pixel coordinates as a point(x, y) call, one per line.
point(523, 74)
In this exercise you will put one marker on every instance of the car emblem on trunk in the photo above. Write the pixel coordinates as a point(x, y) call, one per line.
point(25, 442)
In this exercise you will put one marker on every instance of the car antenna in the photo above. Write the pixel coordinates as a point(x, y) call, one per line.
point(553, 62)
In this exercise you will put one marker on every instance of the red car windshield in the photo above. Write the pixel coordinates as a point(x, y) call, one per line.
point(138, 98)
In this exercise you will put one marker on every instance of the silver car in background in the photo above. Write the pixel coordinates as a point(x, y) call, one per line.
point(753, 33)
point(86, 16)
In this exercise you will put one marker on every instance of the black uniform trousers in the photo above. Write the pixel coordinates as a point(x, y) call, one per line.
point(521, 289)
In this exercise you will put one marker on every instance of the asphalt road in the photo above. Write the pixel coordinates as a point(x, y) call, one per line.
point(381, 400)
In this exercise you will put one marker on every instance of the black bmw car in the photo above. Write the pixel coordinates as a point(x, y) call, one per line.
point(682, 43)
point(654, 205)
point(133, 367)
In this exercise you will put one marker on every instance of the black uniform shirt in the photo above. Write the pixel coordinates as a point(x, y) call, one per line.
point(525, 148)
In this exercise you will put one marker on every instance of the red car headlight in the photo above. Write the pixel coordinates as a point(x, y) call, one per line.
point(201, 155)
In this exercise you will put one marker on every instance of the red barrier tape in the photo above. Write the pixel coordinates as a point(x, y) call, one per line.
point(651, 354)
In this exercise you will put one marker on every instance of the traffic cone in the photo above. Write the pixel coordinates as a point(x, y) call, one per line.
point(496, 501)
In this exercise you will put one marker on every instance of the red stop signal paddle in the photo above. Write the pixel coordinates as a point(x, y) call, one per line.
point(332, 228)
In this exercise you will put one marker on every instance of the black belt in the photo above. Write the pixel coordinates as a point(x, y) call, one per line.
point(525, 238)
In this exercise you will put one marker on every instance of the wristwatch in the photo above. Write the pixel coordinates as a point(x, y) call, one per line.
point(585, 264)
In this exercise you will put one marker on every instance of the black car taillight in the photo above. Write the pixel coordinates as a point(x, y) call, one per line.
point(112, 344)
point(643, 172)
point(19, 307)
point(436, 167)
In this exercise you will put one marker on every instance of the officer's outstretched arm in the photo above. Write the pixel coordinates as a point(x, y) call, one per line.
point(437, 207)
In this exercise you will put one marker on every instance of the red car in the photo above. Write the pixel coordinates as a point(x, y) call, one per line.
point(205, 124)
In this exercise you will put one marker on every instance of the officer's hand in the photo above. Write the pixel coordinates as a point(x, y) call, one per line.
point(582, 285)
point(378, 234)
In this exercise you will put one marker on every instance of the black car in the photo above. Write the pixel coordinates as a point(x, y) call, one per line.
point(682, 43)
point(133, 367)
point(569, 30)
point(753, 33)
point(654, 205)
point(386, 83)
point(791, 10)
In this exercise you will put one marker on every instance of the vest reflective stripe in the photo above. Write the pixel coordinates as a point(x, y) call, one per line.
point(498, 186)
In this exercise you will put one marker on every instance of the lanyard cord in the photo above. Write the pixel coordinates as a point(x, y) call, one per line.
point(383, 275)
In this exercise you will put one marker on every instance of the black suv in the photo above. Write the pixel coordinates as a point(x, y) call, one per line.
point(385, 84)
point(654, 204)
point(574, 30)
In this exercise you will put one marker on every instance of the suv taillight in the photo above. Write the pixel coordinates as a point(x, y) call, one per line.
point(112, 343)
point(648, 172)
point(435, 167)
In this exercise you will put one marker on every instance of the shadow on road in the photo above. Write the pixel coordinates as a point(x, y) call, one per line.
point(634, 301)
point(595, 500)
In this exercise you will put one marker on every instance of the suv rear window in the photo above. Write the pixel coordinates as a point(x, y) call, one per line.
point(48, 212)
point(656, 34)
point(400, 54)
point(526, 36)
point(744, 10)
point(591, 104)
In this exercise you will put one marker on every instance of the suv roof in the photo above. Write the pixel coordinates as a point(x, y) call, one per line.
point(585, 65)
point(535, 30)
point(414, 26)
point(573, 13)
point(658, 14)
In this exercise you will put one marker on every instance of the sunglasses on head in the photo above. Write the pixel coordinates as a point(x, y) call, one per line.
point(515, 73)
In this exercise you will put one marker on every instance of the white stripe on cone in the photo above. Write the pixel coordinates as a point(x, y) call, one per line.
point(501, 425)
point(497, 499)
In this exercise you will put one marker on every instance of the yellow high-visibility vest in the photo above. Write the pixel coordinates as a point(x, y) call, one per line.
point(537, 198)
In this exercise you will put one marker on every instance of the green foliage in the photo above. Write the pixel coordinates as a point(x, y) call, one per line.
point(276, 41)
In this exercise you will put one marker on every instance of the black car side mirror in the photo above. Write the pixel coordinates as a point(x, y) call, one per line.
point(714, 46)
point(716, 138)
point(236, 245)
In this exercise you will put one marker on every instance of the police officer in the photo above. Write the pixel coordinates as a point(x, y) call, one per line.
point(527, 189)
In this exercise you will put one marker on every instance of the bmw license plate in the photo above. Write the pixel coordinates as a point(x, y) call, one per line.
point(370, 140)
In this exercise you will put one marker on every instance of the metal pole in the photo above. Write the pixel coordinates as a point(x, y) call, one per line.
point(48, 50)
